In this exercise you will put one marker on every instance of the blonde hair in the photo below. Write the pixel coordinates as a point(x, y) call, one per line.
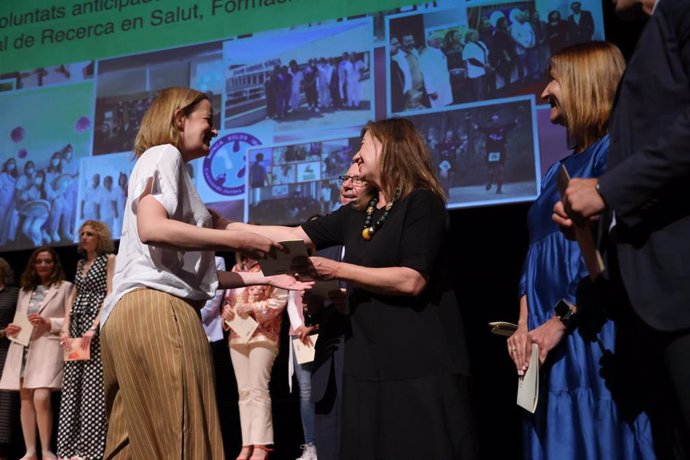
point(105, 239)
point(588, 74)
point(158, 126)
point(406, 163)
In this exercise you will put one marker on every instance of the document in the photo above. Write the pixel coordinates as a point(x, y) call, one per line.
point(281, 263)
point(243, 327)
point(75, 352)
point(583, 234)
point(24, 336)
point(305, 353)
point(503, 328)
point(528, 384)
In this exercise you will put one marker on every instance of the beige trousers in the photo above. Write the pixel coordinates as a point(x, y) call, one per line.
point(253, 363)
point(159, 381)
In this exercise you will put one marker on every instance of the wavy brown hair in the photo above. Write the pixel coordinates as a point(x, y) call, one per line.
point(406, 163)
point(158, 126)
point(588, 74)
point(105, 239)
point(30, 279)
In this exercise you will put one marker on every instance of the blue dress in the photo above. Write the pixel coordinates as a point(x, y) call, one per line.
point(576, 417)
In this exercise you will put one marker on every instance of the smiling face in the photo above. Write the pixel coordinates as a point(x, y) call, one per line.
point(348, 190)
point(368, 160)
point(554, 96)
point(44, 266)
point(196, 131)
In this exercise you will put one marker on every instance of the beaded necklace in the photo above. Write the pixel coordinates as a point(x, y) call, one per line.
point(369, 230)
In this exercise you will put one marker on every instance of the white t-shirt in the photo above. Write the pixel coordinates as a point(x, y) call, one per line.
point(161, 173)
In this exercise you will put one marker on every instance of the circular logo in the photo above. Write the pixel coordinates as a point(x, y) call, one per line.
point(225, 167)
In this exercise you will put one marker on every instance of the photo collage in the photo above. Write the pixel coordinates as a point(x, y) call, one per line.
point(290, 105)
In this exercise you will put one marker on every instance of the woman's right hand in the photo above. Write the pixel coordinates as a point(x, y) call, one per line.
point(12, 330)
point(254, 245)
point(520, 348)
point(65, 341)
point(228, 314)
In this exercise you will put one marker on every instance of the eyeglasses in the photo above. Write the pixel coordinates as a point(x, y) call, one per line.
point(356, 180)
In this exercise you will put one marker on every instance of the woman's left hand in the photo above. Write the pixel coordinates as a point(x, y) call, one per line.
point(86, 339)
point(326, 269)
point(243, 310)
point(41, 324)
point(303, 333)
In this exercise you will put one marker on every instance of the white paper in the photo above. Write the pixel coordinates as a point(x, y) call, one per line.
point(281, 263)
point(528, 384)
point(24, 336)
point(243, 327)
point(304, 353)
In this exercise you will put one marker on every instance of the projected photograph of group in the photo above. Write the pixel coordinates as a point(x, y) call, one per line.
point(287, 184)
point(126, 87)
point(316, 77)
point(103, 190)
point(40, 155)
point(488, 51)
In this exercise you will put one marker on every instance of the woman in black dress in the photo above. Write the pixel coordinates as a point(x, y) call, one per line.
point(406, 376)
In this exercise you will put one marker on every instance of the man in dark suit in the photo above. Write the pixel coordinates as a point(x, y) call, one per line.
point(580, 24)
point(334, 325)
point(645, 219)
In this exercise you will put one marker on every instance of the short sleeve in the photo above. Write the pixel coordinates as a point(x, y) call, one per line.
point(330, 230)
point(160, 177)
point(426, 222)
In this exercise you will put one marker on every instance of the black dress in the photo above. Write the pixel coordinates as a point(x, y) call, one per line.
point(8, 399)
point(405, 392)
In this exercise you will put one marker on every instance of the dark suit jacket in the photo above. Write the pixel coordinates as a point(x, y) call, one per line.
point(582, 32)
point(648, 182)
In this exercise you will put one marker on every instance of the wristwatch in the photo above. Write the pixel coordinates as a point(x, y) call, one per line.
point(564, 312)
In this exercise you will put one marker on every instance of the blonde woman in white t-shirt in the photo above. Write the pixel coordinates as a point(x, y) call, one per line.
point(158, 373)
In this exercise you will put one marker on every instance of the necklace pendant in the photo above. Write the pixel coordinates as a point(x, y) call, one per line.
point(367, 233)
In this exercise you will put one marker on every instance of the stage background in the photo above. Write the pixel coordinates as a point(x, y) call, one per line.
point(107, 85)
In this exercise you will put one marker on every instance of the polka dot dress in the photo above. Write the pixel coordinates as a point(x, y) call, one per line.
point(83, 424)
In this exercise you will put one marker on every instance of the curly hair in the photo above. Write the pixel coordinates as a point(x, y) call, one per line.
point(105, 238)
point(30, 278)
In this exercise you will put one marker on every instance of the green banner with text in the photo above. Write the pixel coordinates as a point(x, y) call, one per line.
point(41, 33)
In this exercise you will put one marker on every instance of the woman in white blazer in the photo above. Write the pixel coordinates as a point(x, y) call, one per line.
point(36, 370)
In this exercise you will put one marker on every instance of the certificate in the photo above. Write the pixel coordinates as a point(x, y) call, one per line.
point(528, 384)
point(243, 327)
point(281, 263)
point(24, 336)
point(75, 352)
point(304, 353)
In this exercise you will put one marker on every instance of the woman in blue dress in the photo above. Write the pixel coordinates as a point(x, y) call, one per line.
point(576, 417)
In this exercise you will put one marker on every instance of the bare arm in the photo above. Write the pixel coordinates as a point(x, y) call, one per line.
point(230, 280)
point(155, 227)
point(386, 280)
point(274, 232)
